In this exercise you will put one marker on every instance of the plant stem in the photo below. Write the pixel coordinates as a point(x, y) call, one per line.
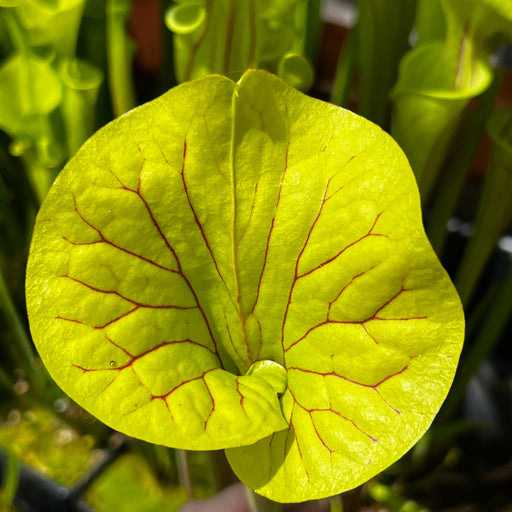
point(17, 328)
point(313, 29)
point(336, 504)
point(5, 381)
point(81, 83)
point(39, 176)
point(496, 308)
point(384, 27)
point(13, 233)
point(351, 500)
point(495, 207)
point(258, 503)
point(14, 30)
point(10, 481)
point(184, 472)
point(221, 473)
point(344, 70)
point(497, 317)
point(119, 54)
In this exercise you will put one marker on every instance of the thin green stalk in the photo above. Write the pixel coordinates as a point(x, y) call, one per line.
point(496, 320)
point(384, 27)
point(40, 177)
point(15, 33)
point(495, 207)
point(259, 503)
point(18, 331)
point(458, 164)
point(478, 313)
point(163, 458)
point(5, 381)
point(496, 308)
point(10, 481)
point(166, 77)
point(393, 498)
point(313, 29)
point(351, 500)
point(301, 23)
point(184, 472)
point(81, 85)
point(119, 55)
point(8, 221)
point(336, 504)
point(18, 223)
point(15, 324)
point(221, 472)
point(345, 70)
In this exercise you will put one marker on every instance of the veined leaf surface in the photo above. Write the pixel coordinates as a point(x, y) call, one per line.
point(241, 266)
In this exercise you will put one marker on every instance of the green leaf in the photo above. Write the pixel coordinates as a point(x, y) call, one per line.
point(241, 266)
point(175, 382)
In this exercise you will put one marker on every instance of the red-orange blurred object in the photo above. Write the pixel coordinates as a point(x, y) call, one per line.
point(146, 26)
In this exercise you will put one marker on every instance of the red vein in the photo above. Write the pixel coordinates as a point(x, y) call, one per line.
point(134, 357)
point(103, 326)
point(246, 227)
point(127, 299)
point(184, 383)
point(104, 240)
point(344, 288)
point(340, 170)
point(171, 250)
point(164, 397)
point(365, 329)
point(207, 244)
point(292, 287)
point(337, 413)
point(325, 198)
point(233, 343)
point(242, 396)
point(336, 256)
point(375, 386)
point(285, 168)
point(260, 346)
point(389, 301)
point(194, 213)
point(213, 406)
point(292, 427)
point(362, 323)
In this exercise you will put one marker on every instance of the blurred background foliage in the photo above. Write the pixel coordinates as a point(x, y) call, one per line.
point(434, 73)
